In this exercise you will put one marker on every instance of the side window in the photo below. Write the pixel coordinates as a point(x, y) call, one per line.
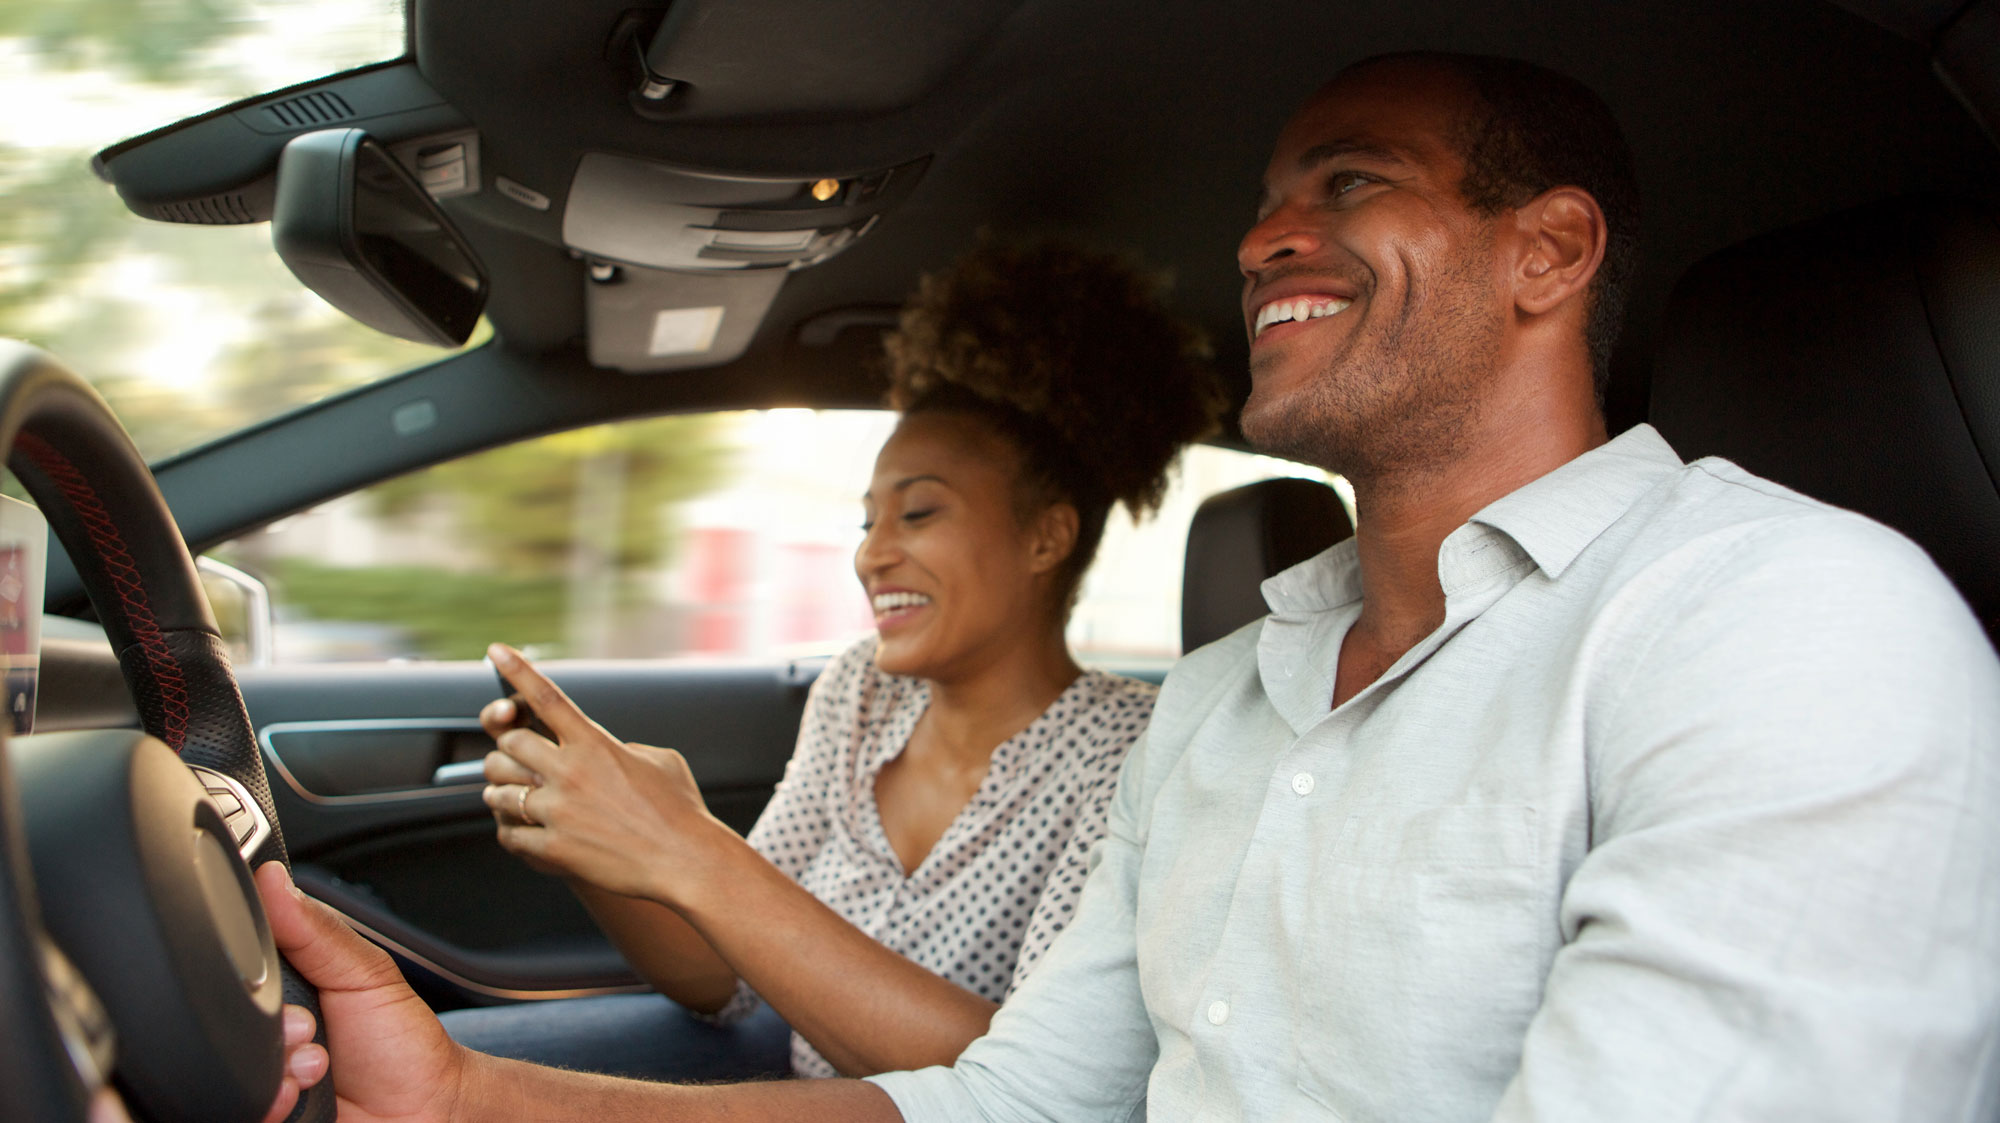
point(704, 537)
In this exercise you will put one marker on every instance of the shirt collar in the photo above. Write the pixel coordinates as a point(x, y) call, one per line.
point(1552, 519)
point(1326, 580)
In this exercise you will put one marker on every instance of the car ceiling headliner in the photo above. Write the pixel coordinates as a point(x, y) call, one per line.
point(1146, 125)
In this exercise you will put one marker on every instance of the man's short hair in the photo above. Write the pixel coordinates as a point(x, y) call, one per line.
point(1535, 129)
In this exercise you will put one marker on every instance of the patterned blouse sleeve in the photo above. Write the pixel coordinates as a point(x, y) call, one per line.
point(1122, 718)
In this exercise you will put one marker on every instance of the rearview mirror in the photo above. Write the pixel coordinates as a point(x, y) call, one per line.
point(360, 231)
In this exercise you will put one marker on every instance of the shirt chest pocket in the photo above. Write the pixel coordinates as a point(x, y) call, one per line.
point(1429, 931)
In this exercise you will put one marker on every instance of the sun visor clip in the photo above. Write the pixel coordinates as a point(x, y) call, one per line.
point(636, 39)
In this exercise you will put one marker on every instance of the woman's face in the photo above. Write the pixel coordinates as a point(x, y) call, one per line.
point(954, 578)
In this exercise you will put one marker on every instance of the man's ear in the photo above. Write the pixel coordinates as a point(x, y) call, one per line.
point(1052, 537)
point(1563, 237)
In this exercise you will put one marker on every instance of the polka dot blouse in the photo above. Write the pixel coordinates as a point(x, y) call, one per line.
point(1003, 880)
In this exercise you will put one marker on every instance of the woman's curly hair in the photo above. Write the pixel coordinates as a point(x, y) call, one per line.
point(1074, 357)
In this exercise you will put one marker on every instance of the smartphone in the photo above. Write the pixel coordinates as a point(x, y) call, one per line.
point(525, 715)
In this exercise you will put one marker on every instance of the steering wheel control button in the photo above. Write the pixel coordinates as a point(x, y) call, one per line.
point(1303, 783)
point(1218, 1012)
point(246, 821)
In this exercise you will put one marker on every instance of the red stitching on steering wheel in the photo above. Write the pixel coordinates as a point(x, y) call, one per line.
point(124, 574)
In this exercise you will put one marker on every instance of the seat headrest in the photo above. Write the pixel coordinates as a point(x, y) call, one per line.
point(1856, 359)
point(1243, 535)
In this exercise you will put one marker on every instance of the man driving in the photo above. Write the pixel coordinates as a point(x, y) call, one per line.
point(1581, 784)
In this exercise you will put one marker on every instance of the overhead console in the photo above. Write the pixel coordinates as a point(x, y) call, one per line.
point(684, 263)
point(643, 213)
point(679, 171)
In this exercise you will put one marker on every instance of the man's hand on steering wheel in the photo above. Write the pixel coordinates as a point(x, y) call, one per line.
point(397, 1062)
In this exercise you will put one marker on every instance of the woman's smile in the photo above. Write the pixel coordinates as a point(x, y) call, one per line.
point(895, 608)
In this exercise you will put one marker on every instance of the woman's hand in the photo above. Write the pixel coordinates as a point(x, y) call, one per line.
point(626, 818)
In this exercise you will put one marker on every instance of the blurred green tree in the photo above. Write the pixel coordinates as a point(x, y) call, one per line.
point(151, 40)
point(57, 219)
point(446, 615)
point(80, 275)
point(518, 504)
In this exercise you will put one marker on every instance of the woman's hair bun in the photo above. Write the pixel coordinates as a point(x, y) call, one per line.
point(1081, 342)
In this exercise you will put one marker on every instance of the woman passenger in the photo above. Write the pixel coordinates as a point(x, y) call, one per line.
point(930, 834)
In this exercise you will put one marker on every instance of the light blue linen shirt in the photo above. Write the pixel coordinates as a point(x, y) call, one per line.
point(1689, 811)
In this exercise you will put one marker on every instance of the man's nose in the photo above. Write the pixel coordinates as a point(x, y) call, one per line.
point(1283, 233)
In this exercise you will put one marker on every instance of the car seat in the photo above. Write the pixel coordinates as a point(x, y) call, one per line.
point(1857, 359)
point(1240, 537)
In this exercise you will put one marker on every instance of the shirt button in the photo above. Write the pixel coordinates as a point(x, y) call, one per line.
point(1303, 783)
point(1218, 1012)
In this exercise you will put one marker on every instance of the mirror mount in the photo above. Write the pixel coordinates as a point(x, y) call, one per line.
point(354, 226)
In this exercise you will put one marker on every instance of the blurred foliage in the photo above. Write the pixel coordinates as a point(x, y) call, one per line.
point(56, 219)
point(115, 296)
point(319, 354)
point(518, 504)
point(449, 615)
point(149, 40)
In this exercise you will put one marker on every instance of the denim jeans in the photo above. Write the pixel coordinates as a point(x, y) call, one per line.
point(638, 1035)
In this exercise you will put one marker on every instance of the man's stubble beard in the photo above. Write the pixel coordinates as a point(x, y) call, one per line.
point(1398, 402)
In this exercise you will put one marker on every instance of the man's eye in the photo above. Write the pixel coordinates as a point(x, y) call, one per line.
point(1340, 183)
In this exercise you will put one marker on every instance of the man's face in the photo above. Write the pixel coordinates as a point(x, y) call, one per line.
point(1373, 294)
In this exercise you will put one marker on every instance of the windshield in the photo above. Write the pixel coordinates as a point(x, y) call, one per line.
point(189, 331)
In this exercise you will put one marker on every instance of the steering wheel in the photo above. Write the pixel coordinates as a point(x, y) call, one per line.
point(132, 940)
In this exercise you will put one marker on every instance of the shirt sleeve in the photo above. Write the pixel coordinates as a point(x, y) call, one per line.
point(1791, 905)
point(1074, 1042)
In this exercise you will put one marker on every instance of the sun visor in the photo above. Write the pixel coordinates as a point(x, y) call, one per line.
point(651, 320)
point(637, 212)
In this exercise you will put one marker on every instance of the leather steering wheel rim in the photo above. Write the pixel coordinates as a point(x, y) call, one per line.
point(64, 444)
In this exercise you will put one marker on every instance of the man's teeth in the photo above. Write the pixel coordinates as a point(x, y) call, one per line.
point(890, 602)
point(1300, 310)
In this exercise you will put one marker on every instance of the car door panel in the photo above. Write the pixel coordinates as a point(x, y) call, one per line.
point(355, 753)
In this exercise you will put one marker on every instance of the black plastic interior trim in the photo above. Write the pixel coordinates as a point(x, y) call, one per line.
point(82, 687)
point(539, 974)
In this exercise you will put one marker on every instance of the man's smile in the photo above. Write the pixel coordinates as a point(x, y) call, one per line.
point(1297, 310)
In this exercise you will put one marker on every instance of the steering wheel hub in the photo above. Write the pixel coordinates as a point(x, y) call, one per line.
point(142, 888)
